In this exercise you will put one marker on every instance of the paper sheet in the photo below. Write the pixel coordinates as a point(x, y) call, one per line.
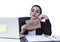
point(3, 27)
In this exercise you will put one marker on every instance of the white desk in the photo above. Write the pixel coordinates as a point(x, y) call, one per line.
point(9, 40)
point(43, 38)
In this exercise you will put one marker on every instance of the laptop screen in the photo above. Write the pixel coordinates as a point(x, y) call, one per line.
point(9, 27)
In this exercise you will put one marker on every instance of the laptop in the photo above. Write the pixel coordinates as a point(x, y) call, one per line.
point(9, 28)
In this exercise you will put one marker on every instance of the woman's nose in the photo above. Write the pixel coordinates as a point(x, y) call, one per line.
point(34, 12)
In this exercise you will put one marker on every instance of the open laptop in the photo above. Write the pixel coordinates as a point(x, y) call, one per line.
point(9, 28)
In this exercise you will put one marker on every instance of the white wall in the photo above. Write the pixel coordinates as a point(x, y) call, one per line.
point(21, 8)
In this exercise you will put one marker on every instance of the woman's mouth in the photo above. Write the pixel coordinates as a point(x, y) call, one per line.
point(33, 15)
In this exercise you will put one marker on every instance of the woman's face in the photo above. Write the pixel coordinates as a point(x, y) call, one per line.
point(35, 12)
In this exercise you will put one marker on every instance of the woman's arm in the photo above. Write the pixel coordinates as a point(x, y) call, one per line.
point(23, 29)
point(47, 25)
point(47, 29)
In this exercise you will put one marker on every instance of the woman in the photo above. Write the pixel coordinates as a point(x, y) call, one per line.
point(36, 13)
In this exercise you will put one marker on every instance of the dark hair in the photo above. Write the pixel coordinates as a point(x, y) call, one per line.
point(38, 7)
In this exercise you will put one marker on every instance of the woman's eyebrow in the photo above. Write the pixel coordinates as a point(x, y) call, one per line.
point(37, 10)
point(32, 9)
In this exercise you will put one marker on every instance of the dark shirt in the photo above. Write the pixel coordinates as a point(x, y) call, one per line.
point(45, 26)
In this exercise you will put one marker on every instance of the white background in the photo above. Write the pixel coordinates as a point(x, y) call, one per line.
point(21, 8)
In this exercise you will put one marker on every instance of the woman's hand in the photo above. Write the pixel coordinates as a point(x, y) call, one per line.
point(43, 17)
point(23, 28)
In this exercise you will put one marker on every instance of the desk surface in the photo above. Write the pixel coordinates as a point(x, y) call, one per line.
point(43, 38)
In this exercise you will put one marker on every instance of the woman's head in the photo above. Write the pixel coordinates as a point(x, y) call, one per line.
point(35, 11)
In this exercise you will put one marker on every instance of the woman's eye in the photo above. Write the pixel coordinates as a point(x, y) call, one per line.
point(37, 11)
point(32, 10)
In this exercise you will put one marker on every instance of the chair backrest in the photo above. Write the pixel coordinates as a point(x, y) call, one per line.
point(22, 21)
